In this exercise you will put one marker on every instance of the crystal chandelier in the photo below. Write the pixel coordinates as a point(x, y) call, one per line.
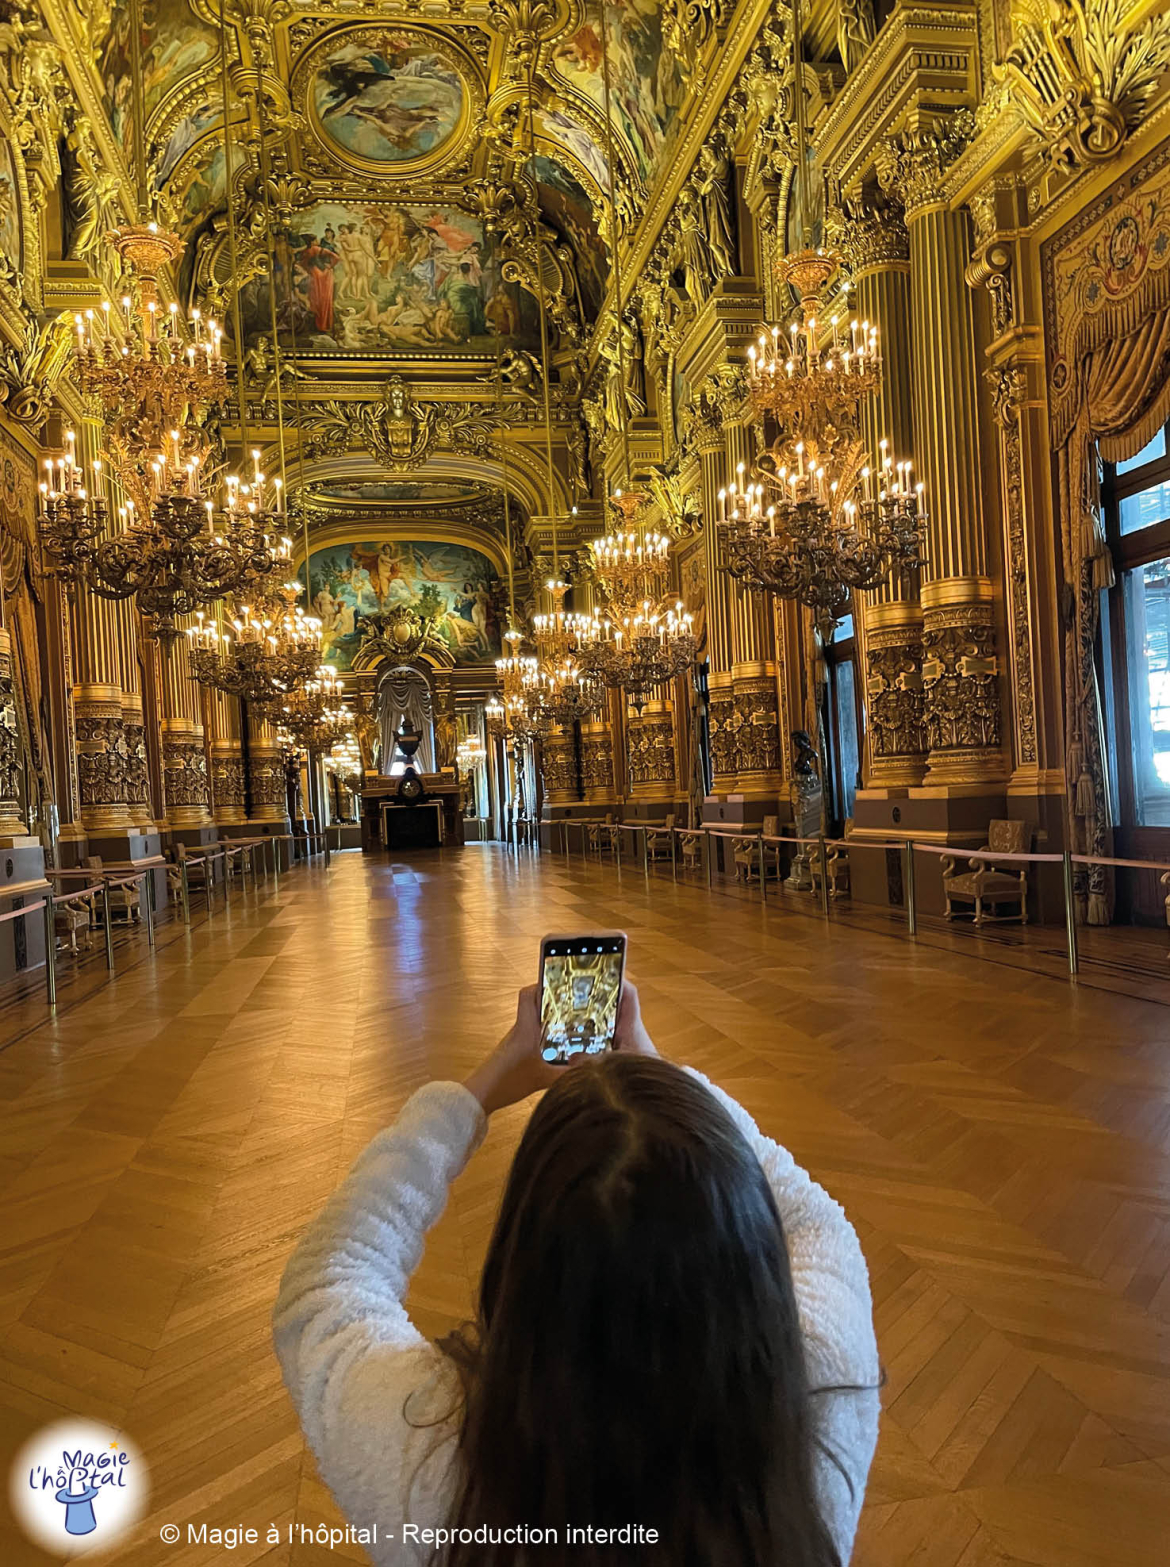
point(272, 649)
point(517, 717)
point(816, 522)
point(345, 759)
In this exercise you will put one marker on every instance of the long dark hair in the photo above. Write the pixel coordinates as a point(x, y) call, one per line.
point(637, 1357)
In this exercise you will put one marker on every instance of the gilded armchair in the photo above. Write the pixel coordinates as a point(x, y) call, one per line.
point(690, 843)
point(746, 852)
point(659, 838)
point(122, 901)
point(985, 885)
point(604, 835)
point(836, 867)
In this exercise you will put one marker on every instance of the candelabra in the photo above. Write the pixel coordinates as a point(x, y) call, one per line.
point(314, 717)
point(558, 688)
point(638, 652)
point(71, 519)
point(271, 650)
point(154, 375)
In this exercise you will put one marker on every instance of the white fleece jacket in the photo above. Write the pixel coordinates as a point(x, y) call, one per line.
point(375, 1398)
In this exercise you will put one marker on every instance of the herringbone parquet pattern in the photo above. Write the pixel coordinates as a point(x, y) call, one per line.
point(1002, 1142)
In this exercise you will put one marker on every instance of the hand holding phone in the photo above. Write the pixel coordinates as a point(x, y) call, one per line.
point(580, 991)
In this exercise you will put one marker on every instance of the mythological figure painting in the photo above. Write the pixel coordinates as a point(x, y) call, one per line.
point(567, 206)
point(175, 44)
point(206, 184)
point(10, 246)
point(646, 86)
point(387, 97)
point(372, 278)
point(355, 586)
point(190, 129)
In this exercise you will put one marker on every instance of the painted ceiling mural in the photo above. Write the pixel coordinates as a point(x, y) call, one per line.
point(175, 44)
point(387, 97)
point(646, 86)
point(566, 205)
point(355, 586)
point(10, 242)
point(377, 278)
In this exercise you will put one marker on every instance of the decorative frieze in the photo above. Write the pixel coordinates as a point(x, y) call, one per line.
point(186, 786)
point(722, 726)
point(228, 782)
point(756, 728)
point(101, 757)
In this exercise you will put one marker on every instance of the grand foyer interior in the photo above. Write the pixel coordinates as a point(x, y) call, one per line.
point(518, 376)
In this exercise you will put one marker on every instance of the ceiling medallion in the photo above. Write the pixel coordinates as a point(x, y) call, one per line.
point(389, 100)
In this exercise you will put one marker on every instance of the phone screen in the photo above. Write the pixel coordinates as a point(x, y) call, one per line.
point(580, 986)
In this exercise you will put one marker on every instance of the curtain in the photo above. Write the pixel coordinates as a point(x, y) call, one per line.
point(1126, 398)
point(404, 702)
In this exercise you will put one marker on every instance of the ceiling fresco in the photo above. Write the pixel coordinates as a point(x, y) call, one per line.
point(387, 98)
point(371, 279)
point(176, 44)
point(645, 83)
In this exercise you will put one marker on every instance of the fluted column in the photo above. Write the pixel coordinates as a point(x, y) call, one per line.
point(185, 782)
point(133, 719)
point(12, 822)
point(226, 750)
point(890, 634)
point(960, 670)
point(754, 714)
point(98, 718)
point(267, 800)
point(708, 435)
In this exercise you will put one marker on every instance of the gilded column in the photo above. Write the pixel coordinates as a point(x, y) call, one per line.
point(185, 782)
point(597, 762)
point(890, 634)
point(12, 822)
point(98, 719)
point(707, 435)
point(755, 671)
point(226, 750)
point(266, 792)
point(133, 719)
point(960, 669)
point(650, 737)
point(558, 767)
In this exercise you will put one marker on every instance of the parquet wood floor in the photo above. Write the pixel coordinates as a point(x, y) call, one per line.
point(1001, 1140)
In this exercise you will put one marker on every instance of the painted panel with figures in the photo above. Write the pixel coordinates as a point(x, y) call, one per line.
point(355, 586)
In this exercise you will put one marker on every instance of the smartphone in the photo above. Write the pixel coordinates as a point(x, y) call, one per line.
point(580, 986)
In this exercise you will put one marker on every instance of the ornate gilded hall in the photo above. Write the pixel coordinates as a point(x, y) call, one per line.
point(690, 467)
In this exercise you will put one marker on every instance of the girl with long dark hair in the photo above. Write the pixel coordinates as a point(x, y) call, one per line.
point(673, 1359)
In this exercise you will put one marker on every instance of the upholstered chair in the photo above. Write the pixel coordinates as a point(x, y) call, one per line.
point(986, 886)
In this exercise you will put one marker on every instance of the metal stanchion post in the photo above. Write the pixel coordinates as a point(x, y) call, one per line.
point(184, 892)
point(584, 843)
point(209, 883)
point(821, 850)
point(673, 856)
point(707, 858)
point(50, 953)
point(911, 891)
point(1070, 915)
point(109, 929)
point(646, 852)
point(761, 868)
point(148, 899)
point(275, 842)
point(325, 841)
